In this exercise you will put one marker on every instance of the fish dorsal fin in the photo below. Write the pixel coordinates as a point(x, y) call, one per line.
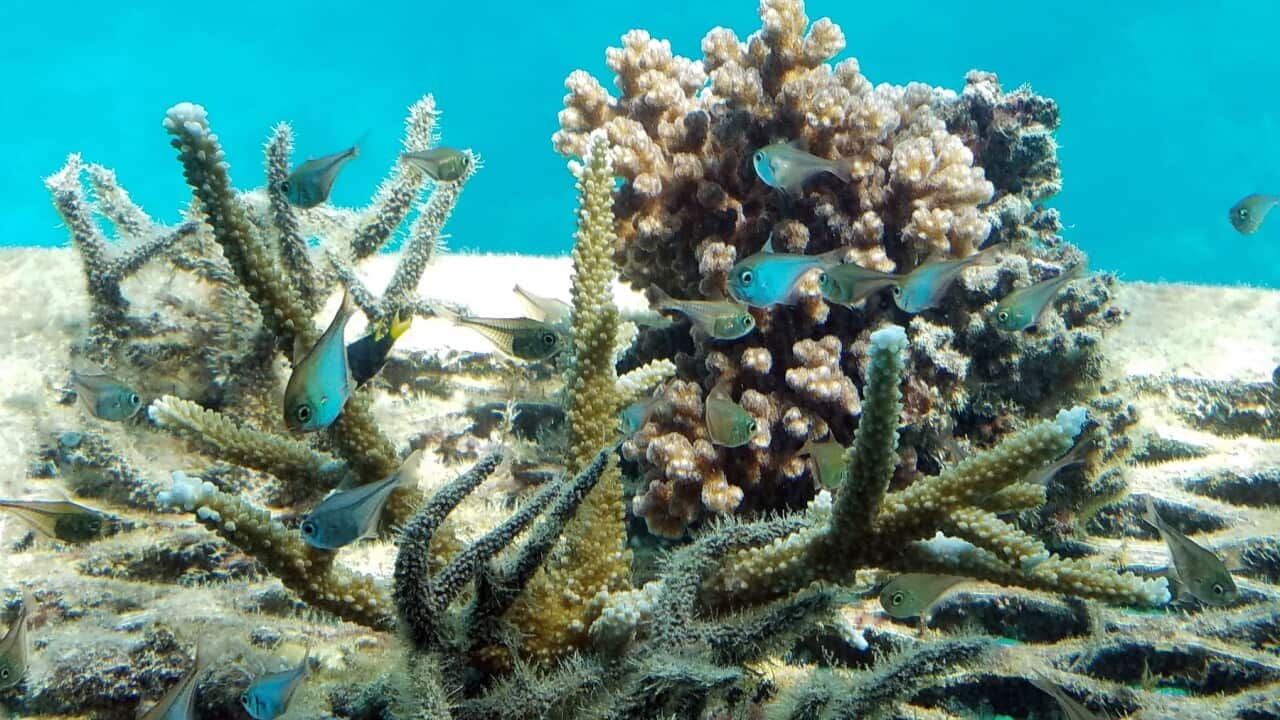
point(800, 143)
point(721, 390)
point(768, 245)
point(299, 350)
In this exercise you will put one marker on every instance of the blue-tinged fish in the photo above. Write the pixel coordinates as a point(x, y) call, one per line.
point(106, 397)
point(1247, 215)
point(717, 319)
point(312, 181)
point(268, 696)
point(321, 381)
point(60, 519)
point(345, 516)
point(179, 703)
point(15, 647)
point(924, 287)
point(830, 462)
point(440, 164)
point(368, 354)
point(1071, 710)
point(521, 338)
point(768, 278)
point(1023, 308)
point(1200, 571)
point(547, 309)
point(634, 416)
point(912, 594)
point(787, 166)
point(850, 283)
point(727, 422)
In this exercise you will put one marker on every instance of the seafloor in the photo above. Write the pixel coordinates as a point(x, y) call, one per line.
point(1196, 362)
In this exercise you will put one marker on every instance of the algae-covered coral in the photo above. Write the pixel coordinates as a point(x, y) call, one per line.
point(501, 600)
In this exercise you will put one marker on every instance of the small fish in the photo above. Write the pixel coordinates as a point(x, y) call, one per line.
point(1023, 308)
point(522, 338)
point(729, 424)
point(345, 516)
point(179, 703)
point(787, 166)
point(440, 164)
point(1071, 709)
point(907, 596)
point(1247, 215)
point(311, 182)
point(321, 381)
point(106, 397)
point(368, 354)
point(830, 461)
point(1075, 456)
point(924, 287)
point(634, 416)
point(768, 278)
point(850, 283)
point(1202, 572)
point(14, 647)
point(547, 309)
point(269, 695)
point(718, 319)
point(60, 519)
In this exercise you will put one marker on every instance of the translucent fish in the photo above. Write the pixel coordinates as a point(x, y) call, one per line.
point(312, 181)
point(179, 703)
point(345, 516)
point(106, 397)
point(924, 287)
point(15, 647)
point(1199, 570)
point(1248, 215)
point(1071, 709)
point(522, 338)
point(268, 696)
point(909, 595)
point(830, 462)
point(1076, 455)
point(547, 309)
point(1023, 308)
point(634, 416)
point(729, 424)
point(440, 164)
point(850, 283)
point(60, 519)
point(768, 278)
point(787, 166)
point(718, 319)
point(321, 381)
point(368, 354)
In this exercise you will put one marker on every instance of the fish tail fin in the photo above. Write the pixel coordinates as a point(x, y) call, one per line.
point(348, 307)
point(1079, 271)
point(842, 169)
point(834, 258)
point(1150, 515)
point(988, 255)
point(400, 323)
point(407, 475)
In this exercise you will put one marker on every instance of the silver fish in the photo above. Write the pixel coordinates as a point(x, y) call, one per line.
point(1023, 308)
point(924, 287)
point(321, 380)
point(912, 594)
point(787, 166)
point(1247, 215)
point(15, 647)
point(60, 519)
point(106, 397)
point(1199, 570)
point(345, 516)
point(440, 164)
point(729, 424)
point(179, 703)
point(522, 338)
point(312, 181)
point(547, 309)
point(1071, 709)
point(717, 319)
point(268, 696)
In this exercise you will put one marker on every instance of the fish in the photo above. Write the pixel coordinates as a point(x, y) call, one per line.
point(179, 703)
point(15, 646)
point(924, 287)
point(107, 398)
point(321, 381)
point(634, 416)
point(850, 283)
point(1248, 215)
point(1075, 456)
point(268, 696)
point(912, 594)
point(830, 462)
point(440, 164)
point(787, 166)
point(718, 319)
point(1199, 570)
point(367, 355)
point(729, 424)
point(311, 182)
point(60, 519)
point(345, 516)
point(547, 309)
point(521, 338)
point(1071, 709)
point(768, 278)
point(1023, 308)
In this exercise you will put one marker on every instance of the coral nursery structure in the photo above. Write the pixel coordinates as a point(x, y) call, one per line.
point(744, 587)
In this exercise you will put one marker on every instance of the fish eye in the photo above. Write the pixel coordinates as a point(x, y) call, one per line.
point(244, 699)
point(4, 673)
point(134, 399)
point(303, 413)
point(1218, 589)
point(284, 186)
point(754, 426)
point(746, 276)
point(1002, 316)
point(1243, 213)
point(897, 598)
point(308, 528)
point(549, 339)
point(759, 156)
point(897, 291)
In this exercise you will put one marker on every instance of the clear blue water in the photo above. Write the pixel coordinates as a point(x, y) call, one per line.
point(1169, 108)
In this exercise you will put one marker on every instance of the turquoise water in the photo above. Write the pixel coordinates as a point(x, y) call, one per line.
point(1169, 116)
